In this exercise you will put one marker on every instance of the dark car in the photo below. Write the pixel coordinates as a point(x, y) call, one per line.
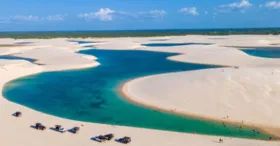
point(75, 129)
point(124, 140)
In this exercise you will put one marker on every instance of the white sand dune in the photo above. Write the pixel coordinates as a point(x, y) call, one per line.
point(214, 93)
point(59, 58)
point(118, 44)
point(224, 56)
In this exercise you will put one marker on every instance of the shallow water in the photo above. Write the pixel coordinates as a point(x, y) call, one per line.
point(264, 52)
point(93, 94)
point(9, 57)
point(81, 42)
point(172, 44)
point(23, 43)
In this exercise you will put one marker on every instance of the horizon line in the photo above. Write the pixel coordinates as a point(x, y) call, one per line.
point(168, 29)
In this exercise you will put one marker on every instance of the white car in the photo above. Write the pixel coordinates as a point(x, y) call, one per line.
point(62, 130)
point(98, 139)
point(59, 128)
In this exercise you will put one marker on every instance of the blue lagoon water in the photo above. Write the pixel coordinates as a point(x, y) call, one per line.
point(81, 42)
point(172, 44)
point(23, 43)
point(93, 94)
point(263, 52)
point(10, 57)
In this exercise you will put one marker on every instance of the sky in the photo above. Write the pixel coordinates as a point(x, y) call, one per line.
point(75, 15)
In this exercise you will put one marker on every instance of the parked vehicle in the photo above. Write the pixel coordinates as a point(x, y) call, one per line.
point(124, 140)
point(59, 128)
point(75, 130)
point(39, 126)
point(17, 114)
point(99, 138)
point(109, 136)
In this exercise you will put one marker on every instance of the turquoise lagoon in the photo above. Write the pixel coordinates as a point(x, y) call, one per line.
point(172, 44)
point(93, 95)
point(263, 52)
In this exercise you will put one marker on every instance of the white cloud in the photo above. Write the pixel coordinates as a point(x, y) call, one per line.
point(123, 13)
point(104, 14)
point(57, 17)
point(240, 6)
point(273, 4)
point(154, 13)
point(86, 15)
point(26, 17)
point(189, 11)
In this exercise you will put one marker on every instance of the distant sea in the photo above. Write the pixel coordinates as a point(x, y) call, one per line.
point(140, 33)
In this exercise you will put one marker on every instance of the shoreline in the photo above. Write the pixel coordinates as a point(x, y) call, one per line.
point(126, 96)
point(190, 137)
point(124, 92)
point(27, 136)
point(157, 108)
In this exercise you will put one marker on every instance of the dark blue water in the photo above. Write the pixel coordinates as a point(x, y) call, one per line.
point(81, 42)
point(93, 94)
point(172, 44)
point(23, 43)
point(9, 57)
point(264, 52)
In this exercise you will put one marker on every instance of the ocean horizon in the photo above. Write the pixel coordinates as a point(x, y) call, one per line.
point(139, 33)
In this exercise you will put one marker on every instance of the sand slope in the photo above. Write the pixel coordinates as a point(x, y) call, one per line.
point(215, 93)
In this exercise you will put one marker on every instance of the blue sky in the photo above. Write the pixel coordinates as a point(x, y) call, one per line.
point(48, 15)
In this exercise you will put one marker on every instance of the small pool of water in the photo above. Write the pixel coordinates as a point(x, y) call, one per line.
point(9, 57)
point(23, 43)
point(81, 42)
point(172, 44)
point(263, 52)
